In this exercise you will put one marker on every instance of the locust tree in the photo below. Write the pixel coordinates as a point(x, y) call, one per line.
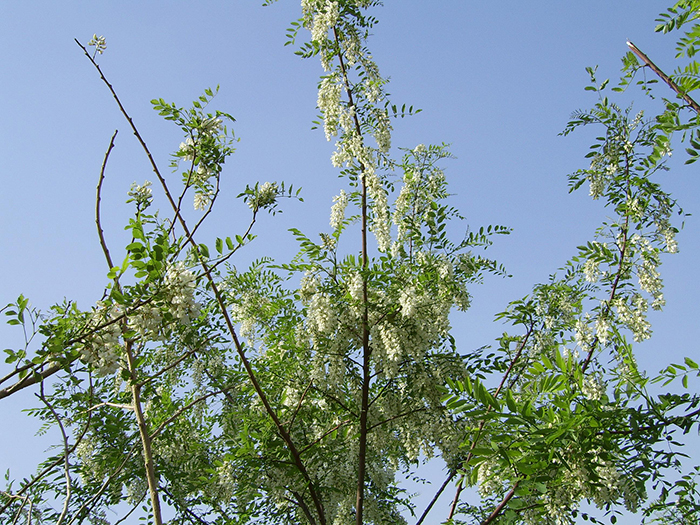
point(302, 390)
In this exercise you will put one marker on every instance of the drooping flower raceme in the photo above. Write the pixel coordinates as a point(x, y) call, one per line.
point(180, 285)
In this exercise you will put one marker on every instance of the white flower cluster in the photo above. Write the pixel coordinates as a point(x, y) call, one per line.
point(202, 200)
point(632, 313)
point(265, 196)
point(382, 131)
point(147, 321)
point(667, 234)
point(340, 202)
point(585, 475)
point(99, 43)
point(141, 194)
point(244, 311)
point(211, 126)
point(328, 103)
point(200, 176)
point(380, 225)
point(423, 325)
point(322, 317)
point(583, 333)
point(602, 330)
point(85, 451)
point(355, 287)
point(188, 149)
point(650, 280)
point(602, 169)
point(180, 288)
point(593, 387)
point(103, 349)
point(324, 20)
point(308, 287)
point(591, 270)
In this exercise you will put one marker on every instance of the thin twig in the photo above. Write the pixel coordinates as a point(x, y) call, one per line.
point(326, 433)
point(470, 454)
point(66, 453)
point(298, 407)
point(98, 200)
point(183, 409)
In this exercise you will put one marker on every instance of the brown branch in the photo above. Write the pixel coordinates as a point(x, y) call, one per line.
point(501, 505)
point(476, 439)
point(30, 379)
point(303, 506)
point(282, 431)
point(647, 61)
point(98, 200)
point(366, 348)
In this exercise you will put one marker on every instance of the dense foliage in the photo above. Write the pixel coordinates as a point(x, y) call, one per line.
point(297, 391)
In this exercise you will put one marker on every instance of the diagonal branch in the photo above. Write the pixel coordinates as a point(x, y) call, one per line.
point(663, 76)
point(282, 431)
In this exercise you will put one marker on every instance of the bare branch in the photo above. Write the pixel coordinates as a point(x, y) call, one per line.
point(66, 453)
point(663, 76)
point(98, 200)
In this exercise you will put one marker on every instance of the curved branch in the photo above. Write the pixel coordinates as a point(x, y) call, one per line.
point(98, 200)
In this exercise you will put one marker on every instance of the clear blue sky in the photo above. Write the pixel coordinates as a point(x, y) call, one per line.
point(497, 80)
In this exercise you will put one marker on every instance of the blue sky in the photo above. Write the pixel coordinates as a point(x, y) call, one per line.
point(497, 80)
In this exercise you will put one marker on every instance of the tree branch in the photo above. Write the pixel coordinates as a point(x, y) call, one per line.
point(663, 76)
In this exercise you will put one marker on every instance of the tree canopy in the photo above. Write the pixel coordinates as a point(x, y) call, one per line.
point(204, 389)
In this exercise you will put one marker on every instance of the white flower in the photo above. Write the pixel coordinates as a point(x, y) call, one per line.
point(142, 194)
point(324, 20)
point(103, 348)
point(187, 149)
point(408, 301)
point(181, 286)
point(338, 209)
point(329, 103)
point(355, 287)
point(321, 316)
point(201, 200)
point(146, 320)
point(382, 133)
point(211, 125)
point(266, 196)
point(419, 149)
point(601, 331)
point(593, 387)
point(99, 42)
point(591, 271)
